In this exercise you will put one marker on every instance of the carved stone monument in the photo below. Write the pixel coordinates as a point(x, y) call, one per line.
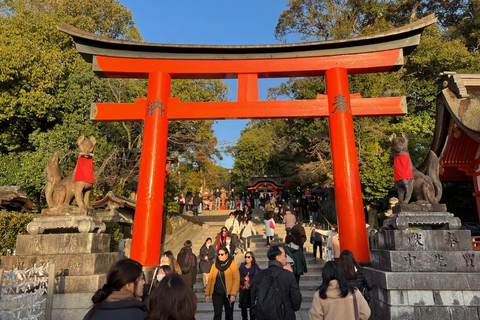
point(423, 273)
point(68, 236)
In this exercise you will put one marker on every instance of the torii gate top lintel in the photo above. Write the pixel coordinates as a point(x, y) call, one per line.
point(127, 59)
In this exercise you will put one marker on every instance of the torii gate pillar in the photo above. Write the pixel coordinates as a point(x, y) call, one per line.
point(348, 192)
point(147, 229)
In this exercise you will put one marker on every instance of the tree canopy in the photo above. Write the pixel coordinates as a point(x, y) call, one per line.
point(46, 90)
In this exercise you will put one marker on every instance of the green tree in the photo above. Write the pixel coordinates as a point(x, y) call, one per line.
point(46, 90)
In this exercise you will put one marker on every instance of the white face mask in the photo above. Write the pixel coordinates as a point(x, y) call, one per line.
point(228, 242)
point(160, 277)
point(208, 245)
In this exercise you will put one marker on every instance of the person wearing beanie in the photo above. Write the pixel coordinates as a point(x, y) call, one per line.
point(188, 263)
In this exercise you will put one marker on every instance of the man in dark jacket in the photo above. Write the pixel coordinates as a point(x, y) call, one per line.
point(298, 231)
point(285, 281)
point(188, 263)
point(197, 204)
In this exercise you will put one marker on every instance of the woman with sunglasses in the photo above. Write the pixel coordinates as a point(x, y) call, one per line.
point(222, 238)
point(247, 270)
point(222, 285)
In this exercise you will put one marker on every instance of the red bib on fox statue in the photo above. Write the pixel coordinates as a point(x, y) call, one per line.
point(402, 168)
point(84, 170)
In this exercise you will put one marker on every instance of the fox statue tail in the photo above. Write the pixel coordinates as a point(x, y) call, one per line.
point(432, 171)
point(54, 176)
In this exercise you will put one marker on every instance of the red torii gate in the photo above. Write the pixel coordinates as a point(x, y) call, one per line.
point(160, 63)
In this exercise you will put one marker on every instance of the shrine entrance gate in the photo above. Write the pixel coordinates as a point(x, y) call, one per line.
point(334, 60)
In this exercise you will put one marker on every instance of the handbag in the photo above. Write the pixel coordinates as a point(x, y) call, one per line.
point(272, 224)
point(365, 293)
point(355, 306)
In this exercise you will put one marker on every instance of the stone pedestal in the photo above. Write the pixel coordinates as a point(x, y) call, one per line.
point(81, 259)
point(425, 274)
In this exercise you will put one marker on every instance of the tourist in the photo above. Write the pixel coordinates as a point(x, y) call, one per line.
point(246, 231)
point(298, 231)
point(286, 286)
point(233, 228)
point(231, 199)
point(188, 263)
point(333, 299)
point(230, 246)
point(296, 253)
point(297, 207)
point(333, 243)
point(207, 254)
point(355, 274)
point(168, 259)
point(289, 221)
point(188, 200)
point(159, 273)
point(197, 204)
point(218, 200)
point(269, 226)
point(247, 270)
point(316, 238)
point(315, 209)
point(222, 237)
point(223, 284)
point(270, 207)
point(181, 201)
point(172, 299)
point(121, 297)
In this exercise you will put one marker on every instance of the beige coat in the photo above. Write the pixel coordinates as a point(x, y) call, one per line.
point(336, 307)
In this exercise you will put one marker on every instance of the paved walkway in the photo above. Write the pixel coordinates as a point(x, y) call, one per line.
point(215, 220)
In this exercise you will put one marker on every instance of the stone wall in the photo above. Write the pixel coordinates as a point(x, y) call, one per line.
point(425, 274)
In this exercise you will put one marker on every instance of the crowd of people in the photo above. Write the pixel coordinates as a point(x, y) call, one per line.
point(272, 293)
point(305, 205)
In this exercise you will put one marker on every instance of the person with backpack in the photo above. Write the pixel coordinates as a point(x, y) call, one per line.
point(188, 263)
point(223, 285)
point(275, 292)
point(316, 238)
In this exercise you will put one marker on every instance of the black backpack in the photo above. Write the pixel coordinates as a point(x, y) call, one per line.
point(269, 304)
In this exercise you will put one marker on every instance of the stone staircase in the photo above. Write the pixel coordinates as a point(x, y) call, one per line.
point(215, 220)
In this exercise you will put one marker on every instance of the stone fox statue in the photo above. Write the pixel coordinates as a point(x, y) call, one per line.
point(60, 192)
point(425, 188)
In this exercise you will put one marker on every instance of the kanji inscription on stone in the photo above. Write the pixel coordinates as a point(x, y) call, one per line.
point(415, 240)
point(153, 106)
point(451, 239)
point(440, 260)
point(341, 104)
point(469, 259)
point(410, 258)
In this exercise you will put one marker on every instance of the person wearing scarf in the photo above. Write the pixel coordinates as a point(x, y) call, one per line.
point(223, 284)
point(188, 263)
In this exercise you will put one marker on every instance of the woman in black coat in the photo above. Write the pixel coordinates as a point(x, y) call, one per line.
point(354, 274)
point(121, 297)
point(207, 254)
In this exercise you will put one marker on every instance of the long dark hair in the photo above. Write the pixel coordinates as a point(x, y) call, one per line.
point(172, 299)
point(348, 263)
point(121, 273)
point(333, 271)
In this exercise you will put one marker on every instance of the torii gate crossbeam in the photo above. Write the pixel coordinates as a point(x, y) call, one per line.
point(334, 60)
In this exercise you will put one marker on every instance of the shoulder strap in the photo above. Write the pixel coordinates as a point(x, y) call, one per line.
point(355, 306)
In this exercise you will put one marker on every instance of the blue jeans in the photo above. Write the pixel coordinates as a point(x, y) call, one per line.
point(289, 231)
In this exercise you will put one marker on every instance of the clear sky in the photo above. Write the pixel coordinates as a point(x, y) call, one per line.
point(216, 22)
